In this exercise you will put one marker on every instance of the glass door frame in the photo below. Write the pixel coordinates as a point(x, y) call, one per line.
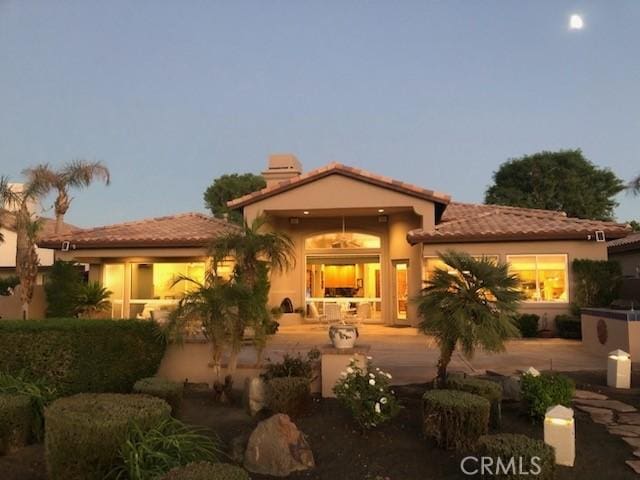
point(398, 318)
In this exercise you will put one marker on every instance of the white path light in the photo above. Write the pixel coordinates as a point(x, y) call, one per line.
point(560, 433)
point(619, 369)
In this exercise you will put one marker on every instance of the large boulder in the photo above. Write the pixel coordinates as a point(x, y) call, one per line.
point(276, 447)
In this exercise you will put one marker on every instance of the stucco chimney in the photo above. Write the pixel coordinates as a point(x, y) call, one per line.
point(282, 166)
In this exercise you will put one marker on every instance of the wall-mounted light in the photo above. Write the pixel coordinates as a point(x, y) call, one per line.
point(381, 210)
point(383, 219)
point(306, 212)
point(560, 433)
point(294, 220)
point(619, 369)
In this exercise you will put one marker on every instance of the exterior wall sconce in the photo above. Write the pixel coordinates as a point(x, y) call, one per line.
point(294, 220)
point(619, 369)
point(383, 219)
point(560, 433)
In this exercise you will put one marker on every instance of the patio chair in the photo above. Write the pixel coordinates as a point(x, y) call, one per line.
point(363, 313)
point(333, 312)
point(314, 315)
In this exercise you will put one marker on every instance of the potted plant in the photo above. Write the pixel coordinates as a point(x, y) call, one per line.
point(343, 336)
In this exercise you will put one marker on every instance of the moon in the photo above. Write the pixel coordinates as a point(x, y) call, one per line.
point(576, 22)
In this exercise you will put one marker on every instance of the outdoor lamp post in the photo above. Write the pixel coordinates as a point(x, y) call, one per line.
point(619, 369)
point(560, 433)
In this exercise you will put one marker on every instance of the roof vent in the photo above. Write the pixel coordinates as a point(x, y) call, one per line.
point(282, 167)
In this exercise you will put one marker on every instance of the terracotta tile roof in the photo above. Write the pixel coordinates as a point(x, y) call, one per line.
point(183, 230)
point(339, 169)
point(630, 242)
point(464, 222)
point(47, 225)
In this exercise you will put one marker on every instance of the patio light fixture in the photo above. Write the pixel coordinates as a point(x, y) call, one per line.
point(619, 369)
point(560, 433)
point(306, 212)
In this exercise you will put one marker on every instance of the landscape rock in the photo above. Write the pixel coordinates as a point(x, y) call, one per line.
point(603, 416)
point(635, 465)
point(629, 418)
point(510, 385)
point(610, 404)
point(238, 446)
point(625, 430)
point(588, 395)
point(276, 447)
point(254, 395)
point(633, 441)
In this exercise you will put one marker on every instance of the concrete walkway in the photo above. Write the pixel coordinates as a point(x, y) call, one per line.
point(411, 357)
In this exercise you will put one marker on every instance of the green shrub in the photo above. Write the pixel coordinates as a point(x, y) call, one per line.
point(75, 355)
point(39, 394)
point(16, 420)
point(568, 326)
point(454, 419)
point(528, 324)
point(484, 388)
point(170, 392)
point(84, 432)
point(366, 393)
point(289, 395)
point(150, 453)
point(8, 283)
point(507, 446)
point(62, 288)
point(597, 282)
point(207, 471)
point(544, 391)
point(291, 366)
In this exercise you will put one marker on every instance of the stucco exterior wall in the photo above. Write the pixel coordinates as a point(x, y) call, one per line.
point(11, 308)
point(573, 250)
point(8, 251)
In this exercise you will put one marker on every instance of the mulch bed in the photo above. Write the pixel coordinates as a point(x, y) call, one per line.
point(395, 452)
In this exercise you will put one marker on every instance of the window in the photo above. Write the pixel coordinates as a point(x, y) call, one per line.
point(431, 264)
point(342, 240)
point(543, 278)
point(156, 281)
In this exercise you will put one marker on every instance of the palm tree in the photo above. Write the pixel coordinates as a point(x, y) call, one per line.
point(74, 174)
point(472, 305)
point(634, 185)
point(212, 306)
point(93, 299)
point(255, 252)
point(27, 228)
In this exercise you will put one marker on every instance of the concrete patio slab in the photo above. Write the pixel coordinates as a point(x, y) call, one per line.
point(411, 356)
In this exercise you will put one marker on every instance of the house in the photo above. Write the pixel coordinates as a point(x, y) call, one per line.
point(626, 251)
point(364, 244)
point(9, 243)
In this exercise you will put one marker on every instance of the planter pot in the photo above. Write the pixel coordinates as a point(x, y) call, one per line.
point(343, 336)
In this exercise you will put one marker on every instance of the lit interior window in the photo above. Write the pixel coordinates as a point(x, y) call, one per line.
point(342, 240)
point(543, 277)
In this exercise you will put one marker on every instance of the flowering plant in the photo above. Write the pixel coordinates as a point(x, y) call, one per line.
point(366, 393)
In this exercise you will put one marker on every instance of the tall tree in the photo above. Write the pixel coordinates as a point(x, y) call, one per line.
point(27, 227)
point(228, 187)
point(564, 180)
point(74, 174)
point(634, 185)
point(471, 304)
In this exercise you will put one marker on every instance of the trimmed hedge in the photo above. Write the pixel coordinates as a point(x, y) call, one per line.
point(544, 391)
point(507, 446)
point(288, 395)
point(16, 421)
point(83, 433)
point(170, 392)
point(207, 471)
point(454, 419)
point(78, 355)
point(484, 388)
point(528, 324)
point(569, 327)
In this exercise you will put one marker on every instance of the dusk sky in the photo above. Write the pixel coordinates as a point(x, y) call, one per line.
point(171, 94)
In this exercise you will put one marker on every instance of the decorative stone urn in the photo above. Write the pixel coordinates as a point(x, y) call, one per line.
point(343, 336)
